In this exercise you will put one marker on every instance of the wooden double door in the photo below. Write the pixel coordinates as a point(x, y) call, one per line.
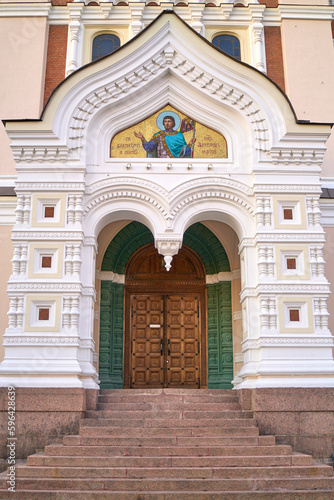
point(165, 338)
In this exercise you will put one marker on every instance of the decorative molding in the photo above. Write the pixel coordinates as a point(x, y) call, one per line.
point(73, 260)
point(217, 278)
point(27, 340)
point(23, 209)
point(119, 181)
point(258, 41)
point(266, 262)
point(54, 186)
point(168, 247)
point(246, 242)
point(110, 276)
point(263, 211)
point(195, 198)
point(105, 11)
point(278, 340)
point(243, 188)
point(124, 189)
point(317, 262)
point(321, 314)
point(70, 313)
point(313, 211)
point(268, 314)
point(16, 311)
point(297, 288)
point(89, 291)
point(46, 235)
point(283, 289)
point(44, 286)
point(168, 57)
point(8, 206)
point(294, 236)
point(327, 212)
point(20, 260)
point(74, 209)
point(126, 194)
point(87, 343)
point(314, 341)
point(158, 283)
point(228, 94)
point(297, 156)
point(74, 39)
point(39, 154)
point(281, 188)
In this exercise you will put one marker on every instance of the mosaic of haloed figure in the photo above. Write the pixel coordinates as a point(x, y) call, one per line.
point(168, 134)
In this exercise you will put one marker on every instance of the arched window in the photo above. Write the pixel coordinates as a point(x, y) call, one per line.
point(229, 44)
point(104, 44)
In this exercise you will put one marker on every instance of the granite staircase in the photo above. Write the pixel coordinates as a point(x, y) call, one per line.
point(169, 444)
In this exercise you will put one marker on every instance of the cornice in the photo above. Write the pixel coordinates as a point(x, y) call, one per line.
point(276, 237)
point(287, 188)
point(25, 9)
point(49, 287)
point(280, 339)
point(19, 234)
point(285, 289)
point(60, 340)
point(314, 12)
point(106, 12)
point(296, 237)
point(54, 186)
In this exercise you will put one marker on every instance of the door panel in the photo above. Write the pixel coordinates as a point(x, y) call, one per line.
point(183, 328)
point(147, 341)
point(165, 355)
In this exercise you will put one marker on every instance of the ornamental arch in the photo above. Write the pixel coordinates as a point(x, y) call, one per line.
point(199, 243)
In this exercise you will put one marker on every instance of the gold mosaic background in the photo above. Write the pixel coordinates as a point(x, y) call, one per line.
point(209, 144)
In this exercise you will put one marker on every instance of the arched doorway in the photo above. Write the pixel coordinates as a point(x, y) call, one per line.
point(165, 331)
point(115, 270)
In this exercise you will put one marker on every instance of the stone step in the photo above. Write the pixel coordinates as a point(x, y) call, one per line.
point(170, 444)
point(175, 495)
point(151, 451)
point(169, 441)
point(40, 459)
point(172, 399)
point(167, 422)
point(168, 392)
point(170, 472)
point(157, 485)
point(99, 431)
point(168, 406)
point(169, 414)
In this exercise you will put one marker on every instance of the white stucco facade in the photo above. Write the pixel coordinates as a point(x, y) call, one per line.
point(273, 164)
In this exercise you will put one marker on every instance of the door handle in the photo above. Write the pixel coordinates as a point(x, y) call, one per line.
point(161, 347)
point(168, 344)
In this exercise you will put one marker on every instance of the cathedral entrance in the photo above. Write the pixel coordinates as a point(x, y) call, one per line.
point(165, 334)
point(153, 323)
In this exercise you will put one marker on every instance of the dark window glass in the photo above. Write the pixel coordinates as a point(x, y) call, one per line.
point(104, 44)
point(229, 44)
